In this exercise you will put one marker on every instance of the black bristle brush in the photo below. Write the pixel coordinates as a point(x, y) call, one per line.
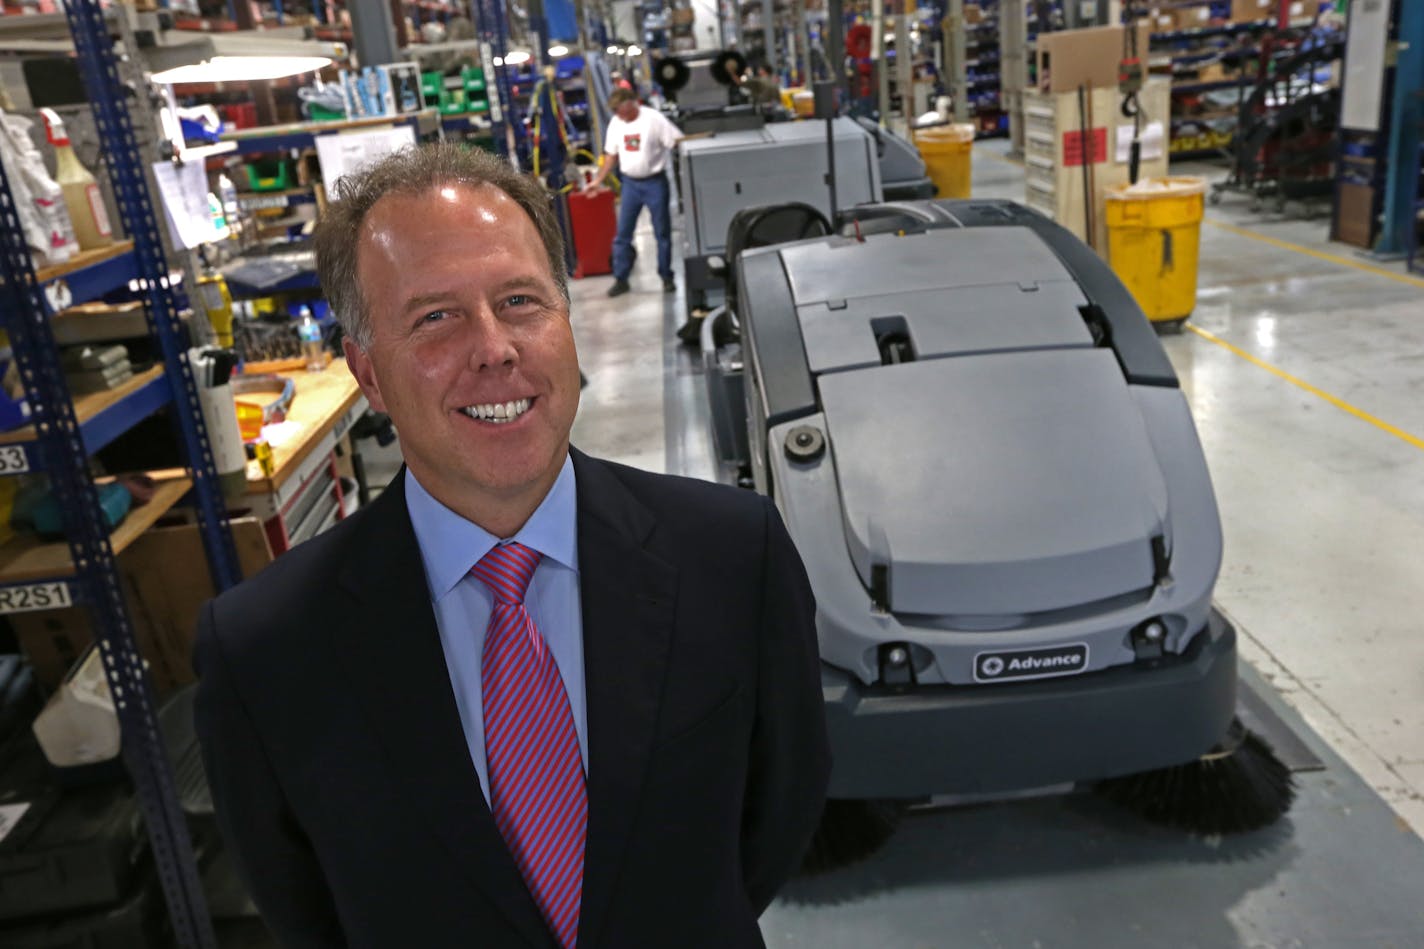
point(1238, 786)
point(850, 831)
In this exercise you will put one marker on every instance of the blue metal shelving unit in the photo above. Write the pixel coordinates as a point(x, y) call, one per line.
point(91, 282)
point(94, 432)
point(492, 28)
point(258, 141)
point(62, 442)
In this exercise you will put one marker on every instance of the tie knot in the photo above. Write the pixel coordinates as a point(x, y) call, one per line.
point(506, 570)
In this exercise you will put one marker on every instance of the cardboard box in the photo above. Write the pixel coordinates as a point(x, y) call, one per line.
point(1355, 215)
point(400, 88)
point(1252, 11)
point(165, 579)
point(1193, 18)
point(1073, 58)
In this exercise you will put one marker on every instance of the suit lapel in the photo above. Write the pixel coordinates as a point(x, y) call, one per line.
point(628, 595)
point(391, 646)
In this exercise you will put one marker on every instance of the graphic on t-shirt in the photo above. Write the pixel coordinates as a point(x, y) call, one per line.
point(632, 141)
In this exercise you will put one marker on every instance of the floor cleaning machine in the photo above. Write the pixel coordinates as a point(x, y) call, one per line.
point(988, 466)
point(782, 161)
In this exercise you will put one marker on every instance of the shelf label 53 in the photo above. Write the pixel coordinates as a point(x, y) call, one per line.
point(13, 460)
point(34, 596)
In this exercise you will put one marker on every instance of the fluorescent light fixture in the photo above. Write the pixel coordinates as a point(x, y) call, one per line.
point(634, 51)
point(559, 50)
point(240, 68)
point(612, 50)
point(515, 56)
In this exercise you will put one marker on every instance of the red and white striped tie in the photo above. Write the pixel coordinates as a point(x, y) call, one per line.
point(537, 790)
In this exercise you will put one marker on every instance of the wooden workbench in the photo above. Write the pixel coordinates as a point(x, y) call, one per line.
point(303, 456)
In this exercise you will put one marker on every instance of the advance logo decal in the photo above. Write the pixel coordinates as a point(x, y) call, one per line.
point(1031, 663)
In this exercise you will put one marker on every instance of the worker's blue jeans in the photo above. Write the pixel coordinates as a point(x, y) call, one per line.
point(639, 193)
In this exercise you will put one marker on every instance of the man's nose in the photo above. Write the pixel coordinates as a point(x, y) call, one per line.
point(492, 343)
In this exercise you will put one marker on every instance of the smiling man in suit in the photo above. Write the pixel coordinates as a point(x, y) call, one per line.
point(526, 698)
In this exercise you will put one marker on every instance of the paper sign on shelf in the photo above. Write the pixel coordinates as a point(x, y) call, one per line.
point(184, 189)
point(1154, 142)
point(345, 152)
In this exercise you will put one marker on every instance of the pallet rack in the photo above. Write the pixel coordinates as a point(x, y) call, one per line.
point(65, 431)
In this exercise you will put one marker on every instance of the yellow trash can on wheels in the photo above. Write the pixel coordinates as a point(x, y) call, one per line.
point(1154, 236)
point(945, 150)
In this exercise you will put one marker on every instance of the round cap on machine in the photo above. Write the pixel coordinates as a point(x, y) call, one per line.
point(805, 443)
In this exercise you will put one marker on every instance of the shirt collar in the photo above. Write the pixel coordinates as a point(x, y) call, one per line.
point(450, 545)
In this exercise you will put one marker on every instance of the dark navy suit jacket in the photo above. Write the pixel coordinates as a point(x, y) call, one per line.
point(339, 767)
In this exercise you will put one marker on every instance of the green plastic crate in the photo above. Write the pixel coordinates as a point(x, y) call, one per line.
point(430, 84)
point(474, 78)
point(453, 101)
point(269, 175)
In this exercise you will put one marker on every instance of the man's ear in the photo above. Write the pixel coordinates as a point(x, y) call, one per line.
point(359, 362)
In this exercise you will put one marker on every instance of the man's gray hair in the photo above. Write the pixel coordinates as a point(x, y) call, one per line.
point(414, 171)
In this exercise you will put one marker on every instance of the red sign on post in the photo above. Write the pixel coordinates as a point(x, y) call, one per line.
point(1073, 147)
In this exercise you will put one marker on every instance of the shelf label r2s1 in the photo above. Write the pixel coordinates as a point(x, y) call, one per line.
point(34, 596)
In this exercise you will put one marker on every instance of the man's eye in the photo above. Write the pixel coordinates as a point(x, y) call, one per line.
point(520, 299)
point(434, 316)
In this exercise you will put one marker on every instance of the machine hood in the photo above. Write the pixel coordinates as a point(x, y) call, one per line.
point(1000, 483)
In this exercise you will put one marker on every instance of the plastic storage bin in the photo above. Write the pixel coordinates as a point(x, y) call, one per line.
point(267, 175)
point(945, 150)
point(1154, 238)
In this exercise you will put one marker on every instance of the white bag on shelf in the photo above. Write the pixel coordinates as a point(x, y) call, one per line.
point(39, 200)
point(79, 724)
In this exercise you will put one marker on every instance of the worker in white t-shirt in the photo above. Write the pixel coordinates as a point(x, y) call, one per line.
point(638, 145)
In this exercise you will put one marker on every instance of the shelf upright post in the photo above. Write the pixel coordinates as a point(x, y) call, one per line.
point(505, 125)
point(61, 447)
point(1406, 131)
point(835, 47)
point(1013, 69)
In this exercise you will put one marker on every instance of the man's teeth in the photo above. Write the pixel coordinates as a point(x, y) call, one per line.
point(498, 412)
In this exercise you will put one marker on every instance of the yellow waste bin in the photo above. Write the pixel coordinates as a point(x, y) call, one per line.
point(1154, 235)
point(945, 149)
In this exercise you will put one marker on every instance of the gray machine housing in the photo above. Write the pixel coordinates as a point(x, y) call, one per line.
point(701, 91)
point(983, 455)
point(781, 161)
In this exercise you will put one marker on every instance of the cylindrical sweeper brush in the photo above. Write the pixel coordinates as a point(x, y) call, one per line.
point(1238, 786)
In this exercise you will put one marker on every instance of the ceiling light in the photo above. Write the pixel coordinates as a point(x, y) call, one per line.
point(240, 68)
point(612, 50)
point(634, 51)
point(557, 51)
point(515, 56)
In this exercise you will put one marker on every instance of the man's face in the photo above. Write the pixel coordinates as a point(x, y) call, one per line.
point(627, 111)
point(466, 320)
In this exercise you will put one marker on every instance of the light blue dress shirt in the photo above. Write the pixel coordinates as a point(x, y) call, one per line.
point(449, 546)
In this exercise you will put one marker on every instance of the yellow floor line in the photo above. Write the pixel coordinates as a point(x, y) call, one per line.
point(1317, 254)
point(1340, 404)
